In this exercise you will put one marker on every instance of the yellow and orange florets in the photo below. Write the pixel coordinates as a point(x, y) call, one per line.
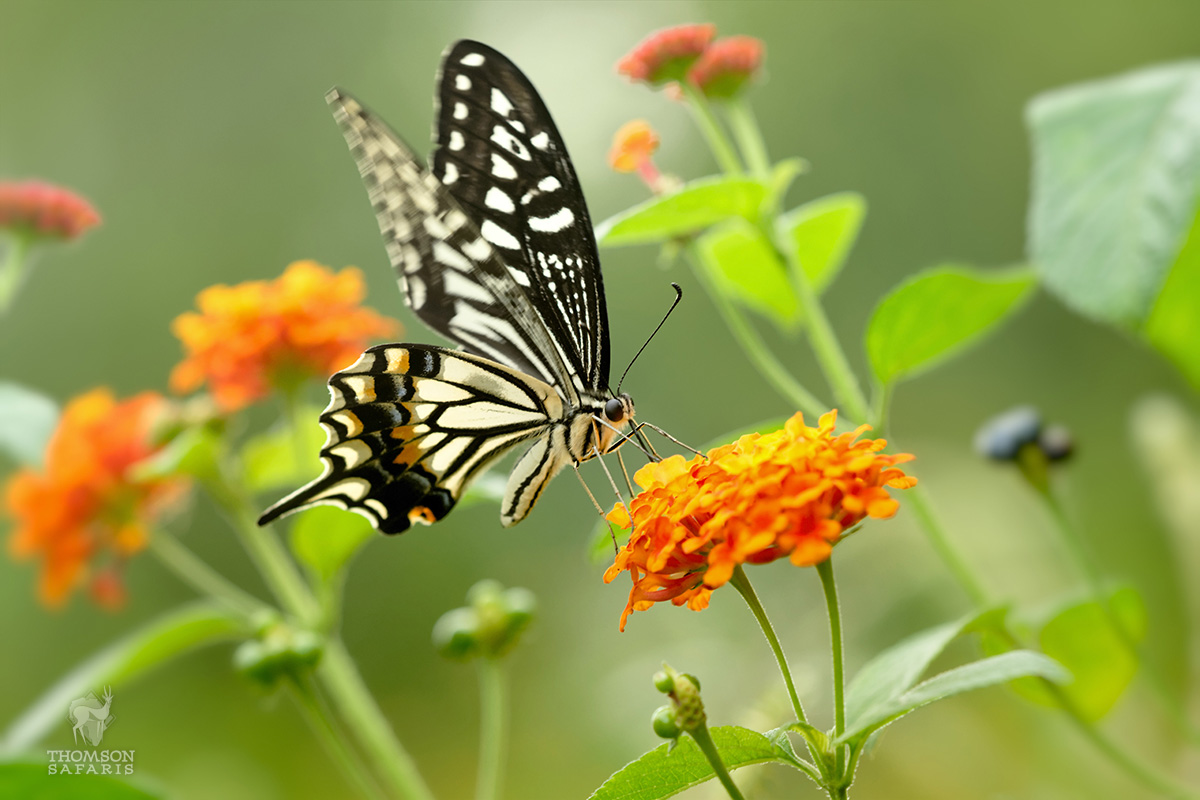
point(792, 493)
point(255, 336)
point(85, 512)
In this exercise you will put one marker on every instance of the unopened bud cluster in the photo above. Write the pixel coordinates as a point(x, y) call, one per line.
point(278, 651)
point(489, 625)
point(685, 712)
point(1003, 437)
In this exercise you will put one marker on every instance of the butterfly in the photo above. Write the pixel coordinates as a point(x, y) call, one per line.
point(493, 248)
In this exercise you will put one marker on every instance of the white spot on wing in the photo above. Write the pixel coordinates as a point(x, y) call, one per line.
point(498, 236)
point(500, 102)
point(559, 220)
point(502, 169)
point(497, 200)
point(519, 276)
point(462, 83)
point(541, 140)
point(472, 60)
point(549, 184)
point(456, 140)
point(460, 110)
point(451, 174)
point(447, 255)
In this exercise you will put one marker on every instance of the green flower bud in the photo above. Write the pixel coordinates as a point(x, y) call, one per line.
point(665, 726)
point(456, 634)
point(663, 682)
point(685, 698)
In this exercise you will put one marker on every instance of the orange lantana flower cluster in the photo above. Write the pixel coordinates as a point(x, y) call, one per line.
point(85, 505)
point(258, 335)
point(789, 494)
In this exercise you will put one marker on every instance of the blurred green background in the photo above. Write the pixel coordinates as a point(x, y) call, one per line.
point(199, 132)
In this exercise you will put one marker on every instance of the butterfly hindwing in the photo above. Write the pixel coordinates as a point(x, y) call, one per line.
point(502, 158)
point(409, 426)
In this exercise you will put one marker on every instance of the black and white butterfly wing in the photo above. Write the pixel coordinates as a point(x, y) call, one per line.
point(451, 276)
point(409, 426)
point(502, 158)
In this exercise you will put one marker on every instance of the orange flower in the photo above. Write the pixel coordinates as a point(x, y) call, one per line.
point(792, 493)
point(665, 55)
point(257, 335)
point(633, 146)
point(726, 65)
point(85, 507)
point(41, 209)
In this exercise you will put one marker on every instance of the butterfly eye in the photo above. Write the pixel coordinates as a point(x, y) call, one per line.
point(614, 409)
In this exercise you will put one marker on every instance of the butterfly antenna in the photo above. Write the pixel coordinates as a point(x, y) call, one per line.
point(666, 435)
point(678, 297)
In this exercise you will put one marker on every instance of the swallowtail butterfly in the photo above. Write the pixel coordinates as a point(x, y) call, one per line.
point(494, 250)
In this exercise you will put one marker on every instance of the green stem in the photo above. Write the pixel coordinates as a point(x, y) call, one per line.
point(718, 142)
point(346, 688)
point(493, 729)
point(753, 345)
point(881, 408)
point(335, 743)
point(935, 532)
point(824, 341)
point(13, 270)
point(709, 748)
point(740, 582)
point(270, 558)
point(1071, 537)
point(825, 570)
point(336, 671)
point(192, 570)
point(748, 134)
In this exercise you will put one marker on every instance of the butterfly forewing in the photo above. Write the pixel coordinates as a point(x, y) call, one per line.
point(409, 426)
point(501, 156)
point(451, 276)
point(494, 250)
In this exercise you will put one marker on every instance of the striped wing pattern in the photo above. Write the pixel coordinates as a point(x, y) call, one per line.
point(501, 156)
point(493, 249)
point(450, 275)
point(409, 426)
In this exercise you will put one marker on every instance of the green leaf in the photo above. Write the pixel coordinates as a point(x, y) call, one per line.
point(976, 675)
point(894, 671)
point(1115, 183)
point(1082, 639)
point(1174, 323)
point(696, 206)
point(162, 639)
point(940, 312)
point(283, 458)
point(746, 267)
point(195, 452)
point(325, 538)
point(782, 176)
point(27, 419)
point(659, 774)
point(823, 231)
point(31, 781)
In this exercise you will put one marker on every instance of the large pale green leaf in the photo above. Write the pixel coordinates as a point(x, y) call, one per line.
point(976, 675)
point(747, 268)
point(165, 637)
point(1174, 323)
point(696, 206)
point(938, 313)
point(660, 774)
point(1115, 183)
point(31, 782)
point(326, 537)
point(27, 418)
point(822, 231)
point(1082, 639)
point(894, 671)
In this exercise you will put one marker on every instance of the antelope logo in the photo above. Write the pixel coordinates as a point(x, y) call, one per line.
point(90, 717)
